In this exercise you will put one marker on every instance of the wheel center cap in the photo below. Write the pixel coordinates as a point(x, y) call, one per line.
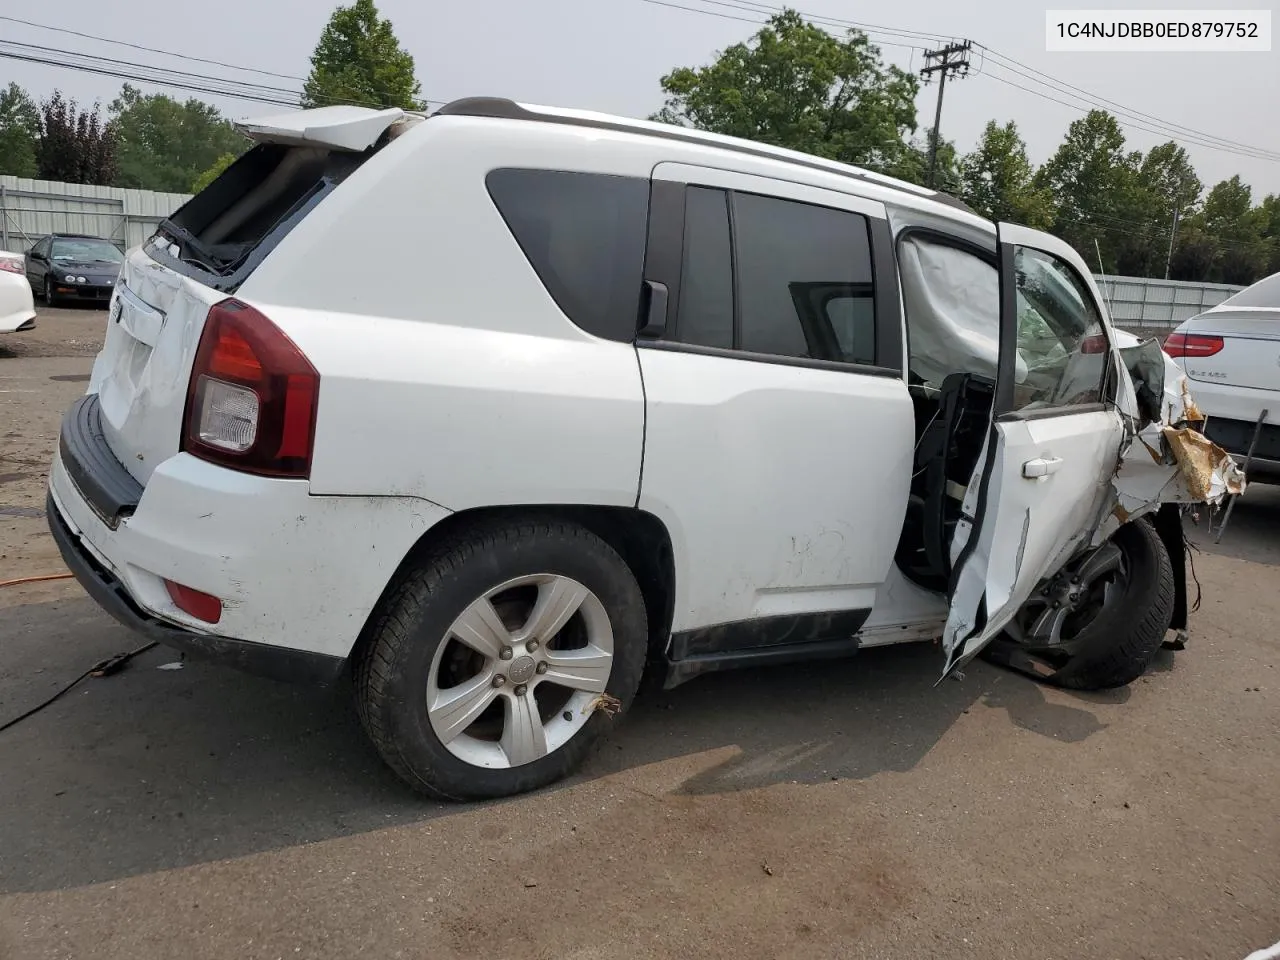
point(522, 669)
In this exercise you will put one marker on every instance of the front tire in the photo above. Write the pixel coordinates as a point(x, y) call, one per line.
point(496, 663)
point(48, 292)
point(1098, 623)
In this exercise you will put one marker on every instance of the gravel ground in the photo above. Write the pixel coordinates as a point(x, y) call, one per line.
point(834, 810)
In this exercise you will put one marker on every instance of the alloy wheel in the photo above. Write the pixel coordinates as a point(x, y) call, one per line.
point(519, 671)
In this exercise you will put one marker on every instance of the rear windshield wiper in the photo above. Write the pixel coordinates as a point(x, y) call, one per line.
point(188, 239)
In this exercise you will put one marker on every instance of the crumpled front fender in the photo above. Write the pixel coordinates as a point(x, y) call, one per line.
point(1166, 458)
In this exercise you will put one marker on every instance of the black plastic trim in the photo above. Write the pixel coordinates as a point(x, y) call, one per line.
point(674, 346)
point(102, 480)
point(501, 108)
point(260, 659)
point(682, 671)
point(664, 249)
point(788, 630)
point(29, 325)
point(1003, 401)
point(888, 295)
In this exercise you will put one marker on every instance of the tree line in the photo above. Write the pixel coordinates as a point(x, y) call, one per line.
point(795, 85)
point(155, 142)
point(791, 84)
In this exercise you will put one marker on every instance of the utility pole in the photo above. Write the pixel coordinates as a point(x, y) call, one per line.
point(1168, 262)
point(951, 59)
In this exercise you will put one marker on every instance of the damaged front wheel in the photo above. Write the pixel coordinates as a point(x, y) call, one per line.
point(1098, 622)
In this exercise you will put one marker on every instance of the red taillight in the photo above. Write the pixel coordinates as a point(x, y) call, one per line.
point(1095, 344)
point(202, 606)
point(1191, 345)
point(10, 265)
point(251, 400)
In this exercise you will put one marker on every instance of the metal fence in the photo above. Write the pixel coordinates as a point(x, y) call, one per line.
point(1154, 307)
point(31, 209)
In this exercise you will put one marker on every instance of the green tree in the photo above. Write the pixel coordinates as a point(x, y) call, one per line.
point(998, 180)
point(1269, 224)
point(795, 85)
point(1097, 190)
point(1231, 220)
point(19, 130)
point(1166, 183)
point(359, 60)
point(164, 144)
point(213, 172)
point(74, 145)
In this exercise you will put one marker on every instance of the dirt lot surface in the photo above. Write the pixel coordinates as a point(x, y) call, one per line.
point(838, 810)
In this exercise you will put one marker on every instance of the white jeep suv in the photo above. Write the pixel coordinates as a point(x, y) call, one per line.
point(500, 408)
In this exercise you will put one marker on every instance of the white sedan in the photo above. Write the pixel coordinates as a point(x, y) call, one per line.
point(17, 308)
point(1231, 352)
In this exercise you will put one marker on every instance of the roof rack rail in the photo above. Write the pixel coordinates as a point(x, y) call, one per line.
point(506, 109)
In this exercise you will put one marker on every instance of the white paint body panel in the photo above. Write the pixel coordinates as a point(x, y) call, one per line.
point(294, 570)
point(781, 496)
point(16, 303)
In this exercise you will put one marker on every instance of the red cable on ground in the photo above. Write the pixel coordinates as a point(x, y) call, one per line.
point(39, 579)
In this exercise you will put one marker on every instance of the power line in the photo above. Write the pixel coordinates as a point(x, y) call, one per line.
point(138, 46)
point(1180, 132)
point(729, 16)
point(131, 75)
point(111, 63)
point(161, 76)
point(1239, 150)
point(1024, 70)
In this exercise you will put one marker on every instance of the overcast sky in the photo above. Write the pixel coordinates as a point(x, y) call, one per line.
point(609, 54)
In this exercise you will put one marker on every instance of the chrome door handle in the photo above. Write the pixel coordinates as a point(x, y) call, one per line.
point(1041, 467)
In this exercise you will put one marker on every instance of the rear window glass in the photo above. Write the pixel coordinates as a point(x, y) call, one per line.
point(1264, 293)
point(228, 227)
point(584, 235)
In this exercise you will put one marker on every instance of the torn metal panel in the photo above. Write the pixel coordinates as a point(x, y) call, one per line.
point(1168, 459)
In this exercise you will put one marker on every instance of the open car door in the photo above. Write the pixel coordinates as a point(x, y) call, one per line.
point(1042, 480)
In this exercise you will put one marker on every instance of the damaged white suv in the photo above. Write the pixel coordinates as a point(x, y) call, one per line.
point(629, 397)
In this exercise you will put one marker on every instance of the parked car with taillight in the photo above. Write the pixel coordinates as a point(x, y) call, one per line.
point(73, 267)
point(17, 311)
point(1231, 354)
point(654, 400)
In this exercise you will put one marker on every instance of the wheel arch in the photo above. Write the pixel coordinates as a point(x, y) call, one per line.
point(639, 538)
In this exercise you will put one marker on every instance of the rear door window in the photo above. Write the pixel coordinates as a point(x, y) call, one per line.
point(584, 236)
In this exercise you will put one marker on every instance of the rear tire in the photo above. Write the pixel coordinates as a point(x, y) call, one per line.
point(1116, 647)
point(414, 659)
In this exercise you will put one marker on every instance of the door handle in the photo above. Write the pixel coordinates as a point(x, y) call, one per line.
point(1041, 467)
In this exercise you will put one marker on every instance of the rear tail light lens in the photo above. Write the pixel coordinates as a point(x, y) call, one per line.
point(202, 606)
point(1191, 345)
point(251, 402)
point(12, 265)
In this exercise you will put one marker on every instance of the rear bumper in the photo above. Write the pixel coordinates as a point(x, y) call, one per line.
point(295, 573)
point(109, 593)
